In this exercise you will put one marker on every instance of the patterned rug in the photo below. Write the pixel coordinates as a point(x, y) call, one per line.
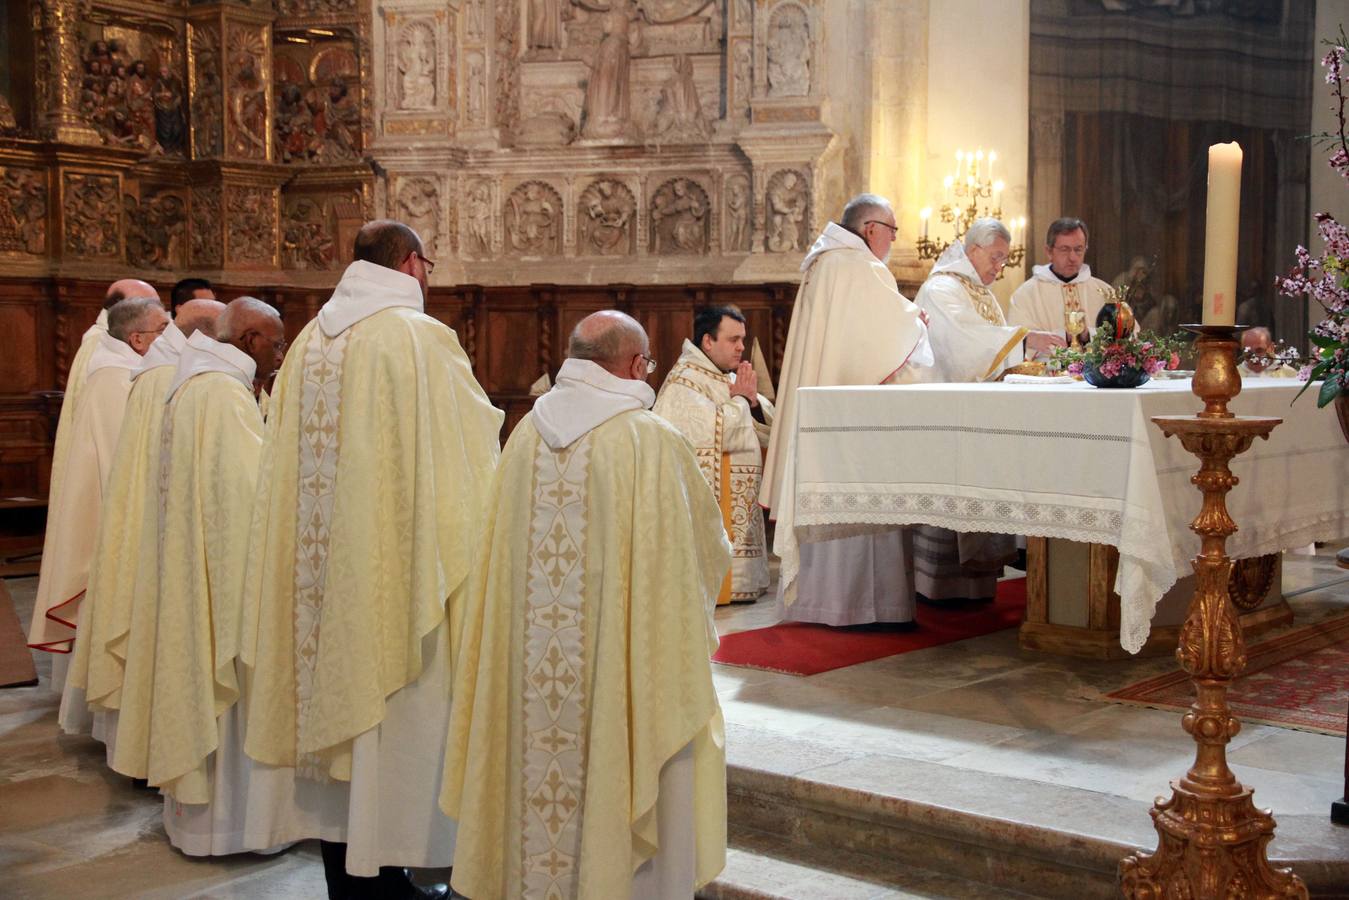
point(1299, 680)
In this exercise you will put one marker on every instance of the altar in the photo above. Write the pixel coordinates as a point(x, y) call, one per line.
point(1063, 463)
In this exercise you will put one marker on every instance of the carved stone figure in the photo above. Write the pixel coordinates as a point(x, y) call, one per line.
point(474, 20)
point(250, 223)
point(417, 67)
point(743, 66)
point(208, 132)
point(506, 66)
point(606, 214)
point(787, 201)
point(789, 52)
point(737, 214)
point(418, 205)
point(23, 212)
point(91, 213)
point(545, 24)
point(306, 236)
point(168, 96)
point(204, 238)
point(607, 104)
point(478, 206)
point(744, 13)
point(679, 113)
point(533, 219)
point(679, 220)
point(476, 81)
point(247, 96)
point(156, 230)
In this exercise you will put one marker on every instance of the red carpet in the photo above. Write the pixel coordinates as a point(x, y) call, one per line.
point(1299, 680)
point(797, 648)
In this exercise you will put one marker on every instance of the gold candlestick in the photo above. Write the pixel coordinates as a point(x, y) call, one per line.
point(1211, 838)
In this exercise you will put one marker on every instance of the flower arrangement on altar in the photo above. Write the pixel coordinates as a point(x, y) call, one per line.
point(1118, 356)
point(1325, 278)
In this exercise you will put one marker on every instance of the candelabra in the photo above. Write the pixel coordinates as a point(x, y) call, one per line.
point(968, 194)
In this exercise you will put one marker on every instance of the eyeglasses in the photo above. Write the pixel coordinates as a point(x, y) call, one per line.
point(278, 345)
point(894, 229)
point(429, 263)
point(159, 330)
point(650, 363)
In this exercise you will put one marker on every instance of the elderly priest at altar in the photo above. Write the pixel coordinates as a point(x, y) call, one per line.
point(850, 326)
point(711, 395)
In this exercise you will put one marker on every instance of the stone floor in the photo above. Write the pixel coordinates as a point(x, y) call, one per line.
point(958, 720)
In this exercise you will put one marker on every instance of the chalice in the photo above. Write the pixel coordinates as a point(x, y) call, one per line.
point(1075, 321)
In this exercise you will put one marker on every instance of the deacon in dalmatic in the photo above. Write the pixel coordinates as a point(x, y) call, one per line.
point(585, 755)
point(379, 453)
point(711, 395)
point(973, 342)
point(208, 467)
point(77, 496)
point(1046, 301)
point(850, 326)
point(125, 541)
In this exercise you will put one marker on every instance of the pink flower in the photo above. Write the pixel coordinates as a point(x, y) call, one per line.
point(1174, 361)
point(1304, 373)
point(1075, 368)
point(1152, 366)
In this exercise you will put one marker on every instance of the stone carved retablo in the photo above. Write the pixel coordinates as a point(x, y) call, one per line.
point(475, 20)
point(545, 24)
point(478, 219)
point(507, 65)
point(533, 219)
point(306, 235)
point(416, 55)
point(788, 52)
point(23, 211)
point(475, 84)
point(679, 113)
point(607, 99)
point(204, 239)
point(788, 203)
point(90, 208)
point(418, 204)
point(742, 65)
point(606, 218)
point(250, 222)
point(680, 223)
point(156, 230)
point(738, 230)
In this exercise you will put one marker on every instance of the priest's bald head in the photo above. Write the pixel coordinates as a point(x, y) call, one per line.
point(198, 315)
point(870, 217)
point(615, 342)
point(255, 328)
point(128, 287)
point(137, 321)
point(393, 245)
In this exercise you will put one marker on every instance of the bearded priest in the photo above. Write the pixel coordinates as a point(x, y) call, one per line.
point(850, 326)
point(585, 754)
point(1045, 301)
point(379, 452)
point(711, 395)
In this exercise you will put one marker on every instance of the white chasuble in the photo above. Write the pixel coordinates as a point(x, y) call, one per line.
point(1043, 301)
point(696, 399)
point(584, 672)
point(970, 337)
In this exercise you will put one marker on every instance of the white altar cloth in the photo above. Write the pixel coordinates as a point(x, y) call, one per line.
point(1055, 460)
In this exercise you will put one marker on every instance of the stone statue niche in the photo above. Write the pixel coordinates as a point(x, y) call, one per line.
point(607, 215)
point(788, 52)
point(788, 205)
point(533, 220)
point(416, 59)
point(680, 218)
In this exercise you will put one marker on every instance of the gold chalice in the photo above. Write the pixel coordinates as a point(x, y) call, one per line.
point(1075, 321)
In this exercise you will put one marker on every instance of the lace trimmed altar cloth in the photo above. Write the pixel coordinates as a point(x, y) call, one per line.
point(1063, 460)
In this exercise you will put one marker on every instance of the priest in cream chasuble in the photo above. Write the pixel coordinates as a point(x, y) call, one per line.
point(379, 451)
point(1047, 300)
point(710, 402)
point(585, 755)
point(850, 325)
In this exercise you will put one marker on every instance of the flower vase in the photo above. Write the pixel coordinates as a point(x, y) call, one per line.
point(1126, 377)
point(1342, 411)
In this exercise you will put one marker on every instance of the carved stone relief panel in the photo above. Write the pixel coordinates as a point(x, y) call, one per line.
point(788, 51)
point(475, 88)
point(475, 20)
point(206, 235)
point(507, 65)
point(419, 201)
point(131, 87)
point(208, 91)
point(23, 211)
point(680, 218)
point(414, 61)
point(246, 60)
point(306, 234)
point(314, 7)
point(739, 209)
point(479, 203)
point(677, 112)
point(250, 225)
point(318, 104)
point(743, 17)
point(742, 79)
point(532, 219)
point(787, 207)
point(90, 209)
point(156, 228)
point(606, 216)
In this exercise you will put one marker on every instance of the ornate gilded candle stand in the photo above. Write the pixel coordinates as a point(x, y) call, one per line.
point(1212, 840)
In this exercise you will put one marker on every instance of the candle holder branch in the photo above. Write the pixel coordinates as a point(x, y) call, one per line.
point(1212, 840)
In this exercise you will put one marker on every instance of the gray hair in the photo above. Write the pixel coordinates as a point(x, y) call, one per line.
point(126, 316)
point(1065, 225)
point(239, 315)
point(861, 208)
point(606, 337)
point(985, 231)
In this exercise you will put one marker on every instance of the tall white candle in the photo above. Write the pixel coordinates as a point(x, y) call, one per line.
point(1221, 234)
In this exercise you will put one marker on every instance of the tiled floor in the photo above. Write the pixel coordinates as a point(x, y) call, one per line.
point(953, 721)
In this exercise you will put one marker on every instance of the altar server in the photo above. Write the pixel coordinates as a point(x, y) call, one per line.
point(1063, 286)
point(711, 395)
point(850, 325)
point(126, 537)
point(76, 502)
point(585, 755)
point(380, 448)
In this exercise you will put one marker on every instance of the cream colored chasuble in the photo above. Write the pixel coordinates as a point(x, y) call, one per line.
point(729, 443)
point(970, 336)
point(1042, 302)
